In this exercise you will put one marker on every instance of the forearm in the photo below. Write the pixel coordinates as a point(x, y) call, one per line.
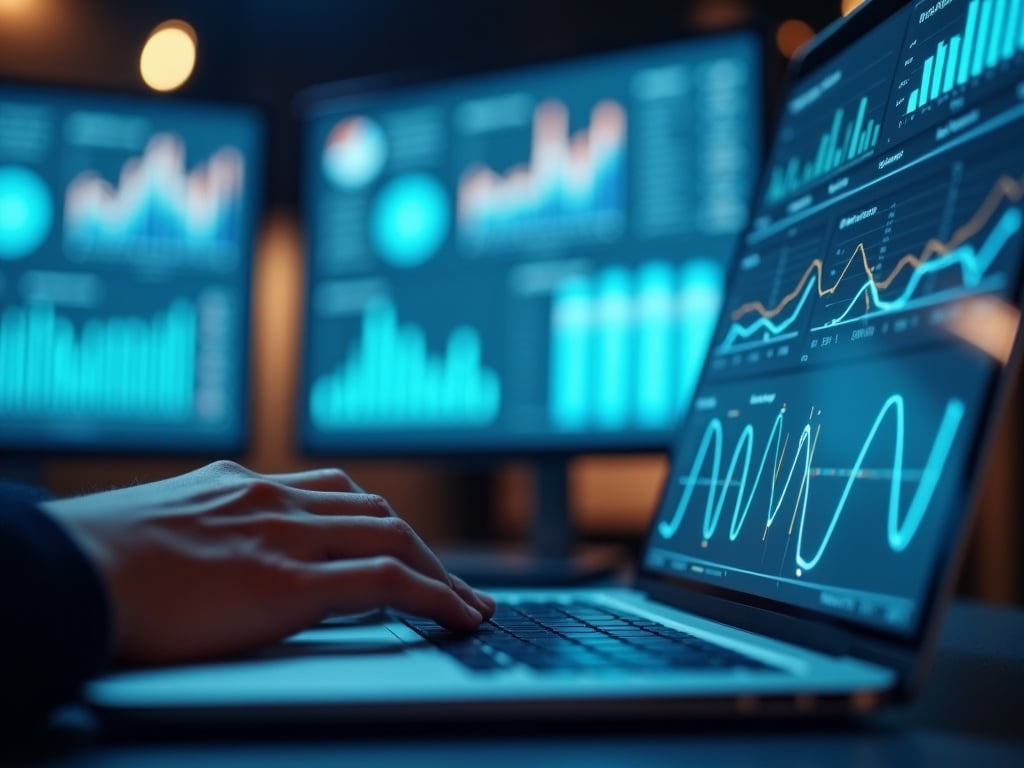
point(56, 617)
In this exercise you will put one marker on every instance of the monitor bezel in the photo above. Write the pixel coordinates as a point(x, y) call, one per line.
point(236, 448)
point(319, 98)
point(908, 653)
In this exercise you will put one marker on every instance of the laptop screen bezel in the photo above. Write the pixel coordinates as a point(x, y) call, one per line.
point(826, 631)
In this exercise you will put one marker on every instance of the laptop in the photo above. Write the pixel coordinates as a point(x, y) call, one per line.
point(817, 506)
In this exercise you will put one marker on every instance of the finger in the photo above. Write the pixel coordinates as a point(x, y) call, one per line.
point(327, 479)
point(312, 538)
point(349, 586)
point(483, 602)
point(331, 504)
point(362, 537)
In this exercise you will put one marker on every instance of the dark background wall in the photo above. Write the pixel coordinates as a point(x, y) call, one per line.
point(265, 52)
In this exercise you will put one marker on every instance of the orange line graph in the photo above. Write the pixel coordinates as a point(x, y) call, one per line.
point(1005, 189)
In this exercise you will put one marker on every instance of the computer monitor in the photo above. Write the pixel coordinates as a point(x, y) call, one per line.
point(528, 260)
point(126, 236)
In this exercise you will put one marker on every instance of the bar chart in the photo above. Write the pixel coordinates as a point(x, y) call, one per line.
point(992, 33)
point(390, 378)
point(846, 140)
point(627, 346)
point(118, 367)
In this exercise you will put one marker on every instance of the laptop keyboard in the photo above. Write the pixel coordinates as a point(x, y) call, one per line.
point(579, 637)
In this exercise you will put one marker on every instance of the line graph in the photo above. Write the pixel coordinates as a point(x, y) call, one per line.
point(937, 255)
point(160, 208)
point(903, 520)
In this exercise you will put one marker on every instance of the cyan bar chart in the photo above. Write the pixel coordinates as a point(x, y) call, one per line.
point(391, 379)
point(993, 33)
point(120, 367)
point(627, 347)
point(845, 141)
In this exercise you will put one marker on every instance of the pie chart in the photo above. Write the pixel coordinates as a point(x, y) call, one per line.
point(354, 153)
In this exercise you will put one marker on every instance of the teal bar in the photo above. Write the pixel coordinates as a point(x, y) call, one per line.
point(382, 356)
point(996, 39)
point(874, 136)
point(20, 357)
point(837, 124)
point(379, 350)
point(491, 393)
point(951, 65)
point(34, 364)
point(940, 68)
point(432, 384)
point(460, 396)
point(177, 344)
point(1013, 28)
point(612, 381)
point(87, 349)
point(144, 368)
point(846, 150)
point(46, 356)
point(981, 46)
point(1021, 39)
point(129, 360)
point(912, 104)
point(700, 299)
point(379, 314)
point(6, 355)
point(400, 375)
point(654, 380)
point(858, 124)
point(106, 363)
point(19, 374)
point(969, 34)
point(926, 81)
point(188, 375)
point(319, 403)
point(171, 344)
point(819, 164)
point(65, 380)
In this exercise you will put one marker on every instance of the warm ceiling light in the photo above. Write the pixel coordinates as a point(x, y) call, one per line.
point(16, 6)
point(169, 56)
point(792, 36)
point(849, 6)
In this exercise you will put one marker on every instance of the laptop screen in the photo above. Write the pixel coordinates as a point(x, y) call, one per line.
point(826, 460)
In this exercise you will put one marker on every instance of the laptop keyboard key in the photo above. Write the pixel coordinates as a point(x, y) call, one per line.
point(578, 638)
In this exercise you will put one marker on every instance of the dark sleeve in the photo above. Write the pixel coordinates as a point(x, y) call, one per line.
point(56, 619)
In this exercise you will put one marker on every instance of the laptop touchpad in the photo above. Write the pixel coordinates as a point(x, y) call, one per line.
point(364, 638)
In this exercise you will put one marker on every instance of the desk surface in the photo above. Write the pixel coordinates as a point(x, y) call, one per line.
point(970, 714)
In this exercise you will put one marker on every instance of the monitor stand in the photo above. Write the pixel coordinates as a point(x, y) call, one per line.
point(551, 556)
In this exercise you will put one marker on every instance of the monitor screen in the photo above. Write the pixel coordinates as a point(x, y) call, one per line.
point(826, 462)
point(126, 235)
point(525, 260)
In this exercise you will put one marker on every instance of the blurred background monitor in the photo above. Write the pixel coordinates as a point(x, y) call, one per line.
point(525, 261)
point(126, 237)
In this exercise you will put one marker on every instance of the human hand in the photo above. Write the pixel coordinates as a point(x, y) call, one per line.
point(223, 559)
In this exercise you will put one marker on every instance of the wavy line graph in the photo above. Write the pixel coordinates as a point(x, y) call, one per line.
point(973, 263)
point(955, 251)
point(898, 534)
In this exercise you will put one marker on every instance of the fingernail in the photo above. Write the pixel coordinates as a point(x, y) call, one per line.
point(472, 613)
